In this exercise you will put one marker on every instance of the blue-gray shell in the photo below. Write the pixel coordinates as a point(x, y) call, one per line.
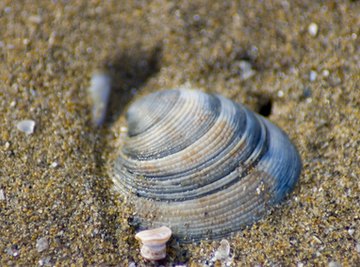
point(202, 164)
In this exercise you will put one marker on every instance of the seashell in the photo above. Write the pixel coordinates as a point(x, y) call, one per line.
point(153, 242)
point(222, 254)
point(202, 164)
point(26, 126)
point(99, 92)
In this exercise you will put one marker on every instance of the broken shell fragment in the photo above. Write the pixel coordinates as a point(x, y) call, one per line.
point(26, 126)
point(223, 252)
point(153, 242)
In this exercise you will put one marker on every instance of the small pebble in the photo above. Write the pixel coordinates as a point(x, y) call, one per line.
point(2, 195)
point(280, 93)
point(54, 164)
point(12, 251)
point(313, 29)
point(246, 70)
point(42, 244)
point(44, 261)
point(99, 91)
point(312, 76)
point(351, 231)
point(35, 19)
point(357, 247)
point(334, 264)
point(26, 41)
point(123, 129)
point(26, 126)
point(7, 145)
point(325, 73)
point(300, 264)
point(223, 252)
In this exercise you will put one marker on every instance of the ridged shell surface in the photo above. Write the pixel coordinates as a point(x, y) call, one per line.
point(202, 164)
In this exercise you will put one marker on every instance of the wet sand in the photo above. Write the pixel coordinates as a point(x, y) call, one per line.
point(57, 206)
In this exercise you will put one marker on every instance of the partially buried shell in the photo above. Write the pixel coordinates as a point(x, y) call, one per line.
point(202, 164)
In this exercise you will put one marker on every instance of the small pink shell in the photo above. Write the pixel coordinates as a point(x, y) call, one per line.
point(153, 242)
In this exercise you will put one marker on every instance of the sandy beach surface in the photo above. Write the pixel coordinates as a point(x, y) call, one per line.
point(296, 62)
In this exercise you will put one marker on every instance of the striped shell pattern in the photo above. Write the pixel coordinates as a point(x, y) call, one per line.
point(202, 164)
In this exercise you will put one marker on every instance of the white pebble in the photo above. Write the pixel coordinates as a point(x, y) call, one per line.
point(35, 19)
point(326, 73)
point(44, 261)
point(26, 126)
point(42, 244)
point(123, 129)
point(12, 251)
point(258, 190)
point(313, 29)
point(246, 70)
point(280, 93)
point(334, 264)
point(2, 195)
point(300, 264)
point(357, 247)
point(54, 164)
point(351, 231)
point(223, 252)
point(7, 145)
point(312, 76)
point(99, 92)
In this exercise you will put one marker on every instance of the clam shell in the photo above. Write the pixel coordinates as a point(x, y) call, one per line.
point(202, 164)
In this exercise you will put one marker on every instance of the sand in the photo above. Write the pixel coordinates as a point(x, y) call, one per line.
point(57, 206)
